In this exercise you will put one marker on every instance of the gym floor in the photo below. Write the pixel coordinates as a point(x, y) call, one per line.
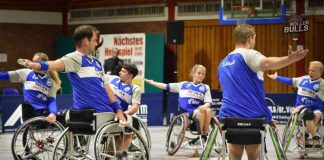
point(158, 152)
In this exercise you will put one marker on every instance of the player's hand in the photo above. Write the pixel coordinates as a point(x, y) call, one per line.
point(296, 110)
point(202, 108)
point(273, 76)
point(26, 63)
point(149, 81)
point(297, 55)
point(120, 117)
point(51, 118)
point(274, 124)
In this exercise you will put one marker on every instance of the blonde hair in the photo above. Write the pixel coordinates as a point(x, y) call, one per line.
point(53, 74)
point(318, 63)
point(242, 32)
point(195, 67)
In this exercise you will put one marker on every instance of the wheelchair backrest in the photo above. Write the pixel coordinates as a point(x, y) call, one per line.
point(243, 130)
point(81, 121)
point(256, 123)
point(80, 115)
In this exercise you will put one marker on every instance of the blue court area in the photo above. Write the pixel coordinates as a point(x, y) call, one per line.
point(158, 152)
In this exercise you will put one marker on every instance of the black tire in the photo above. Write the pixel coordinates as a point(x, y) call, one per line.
point(35, 139)
point(176, 133)
point(105, 139)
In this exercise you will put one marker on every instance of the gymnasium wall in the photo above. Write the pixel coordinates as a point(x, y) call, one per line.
point(206, 42)
point(22, 41)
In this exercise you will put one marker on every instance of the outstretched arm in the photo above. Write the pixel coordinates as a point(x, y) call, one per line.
point(285, 80)
point(274, 63)
point(57, 65)
point(156, 84)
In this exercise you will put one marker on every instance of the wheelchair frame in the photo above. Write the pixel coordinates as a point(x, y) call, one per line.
point(70, 151)
point(183, 120)
point(296, 127)
point(274, 137)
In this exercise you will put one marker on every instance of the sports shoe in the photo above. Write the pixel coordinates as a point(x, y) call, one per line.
point(133, 148)
point(192, 142)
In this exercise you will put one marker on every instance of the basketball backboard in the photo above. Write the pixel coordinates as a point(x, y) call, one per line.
point(252, 11)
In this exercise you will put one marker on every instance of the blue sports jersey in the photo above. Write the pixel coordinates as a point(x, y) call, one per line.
point(310, 93)
point(242, 85)
point(86, 76)
point(191, 95)
point(127, 94)
point(37, 87)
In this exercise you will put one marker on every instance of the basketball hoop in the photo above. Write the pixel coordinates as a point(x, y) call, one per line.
point(249, 9)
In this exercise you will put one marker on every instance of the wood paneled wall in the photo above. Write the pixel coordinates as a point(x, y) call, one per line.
point(207, 42)
point(22, 41)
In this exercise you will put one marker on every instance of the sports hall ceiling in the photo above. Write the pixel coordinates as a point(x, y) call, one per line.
point(59, 5)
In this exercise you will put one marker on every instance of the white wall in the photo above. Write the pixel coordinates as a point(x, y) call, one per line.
point(30, 17)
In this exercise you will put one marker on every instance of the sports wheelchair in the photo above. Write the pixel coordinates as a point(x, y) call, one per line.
point(35, 138)
point(74, 141)
point(183, 130)
point(295, 129)
point(245, 131)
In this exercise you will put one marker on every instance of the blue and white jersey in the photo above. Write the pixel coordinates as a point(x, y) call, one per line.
point(126, 94)
point(191, 95)
point(88, 83)
point(242, 84)
point(310, 93)
point(37, 87)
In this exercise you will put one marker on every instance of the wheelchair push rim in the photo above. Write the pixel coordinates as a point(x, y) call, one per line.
point(35, 138)
point(105, 142)
point(173, 143)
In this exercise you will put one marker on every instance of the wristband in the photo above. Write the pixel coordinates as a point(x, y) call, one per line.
point(116, 105)
point(44, 65)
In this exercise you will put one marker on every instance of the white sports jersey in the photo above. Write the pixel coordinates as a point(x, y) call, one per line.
point(127, 94)
point(191, 95)
point(242, 84)
point(310, 93)
point(86, 76)
point(37, 87)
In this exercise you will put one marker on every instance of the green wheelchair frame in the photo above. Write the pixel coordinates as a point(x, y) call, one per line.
point(296, 127)
point(273, 134)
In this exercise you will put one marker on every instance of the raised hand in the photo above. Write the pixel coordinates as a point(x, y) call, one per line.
point(297, 55)
point(273, 76)
point(26, 63)
point(149, 81)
